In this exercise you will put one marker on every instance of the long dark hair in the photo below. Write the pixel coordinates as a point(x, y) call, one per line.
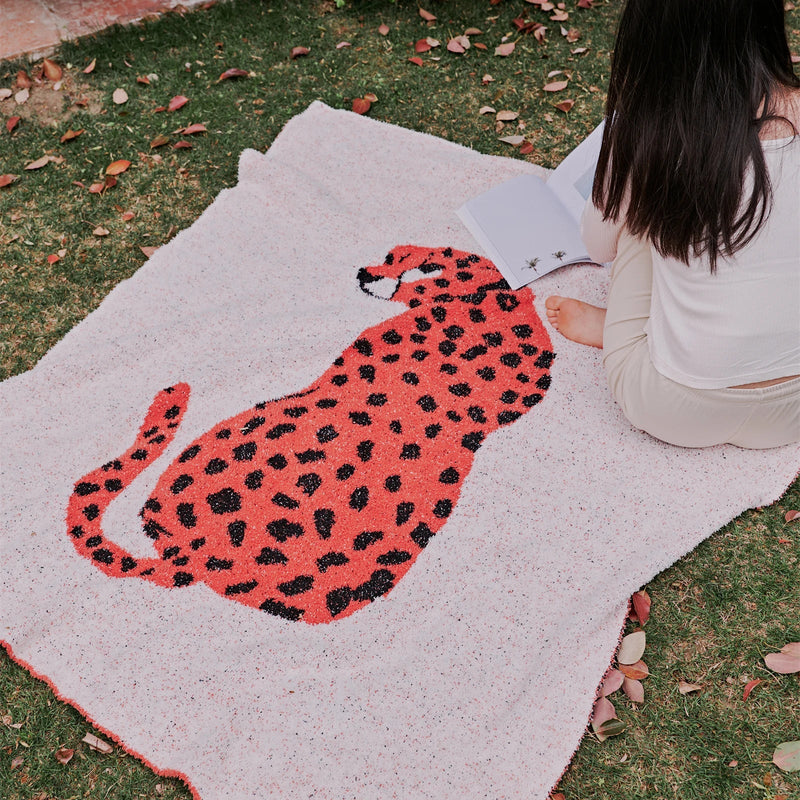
point(691, 85)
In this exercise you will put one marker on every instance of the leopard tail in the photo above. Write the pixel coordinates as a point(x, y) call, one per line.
point(94, 492)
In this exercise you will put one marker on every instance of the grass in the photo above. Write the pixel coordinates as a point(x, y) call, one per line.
point(715, 614)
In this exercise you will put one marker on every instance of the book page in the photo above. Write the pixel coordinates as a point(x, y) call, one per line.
point(524, 229)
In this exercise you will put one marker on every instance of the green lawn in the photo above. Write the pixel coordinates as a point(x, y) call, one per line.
point(715, 614)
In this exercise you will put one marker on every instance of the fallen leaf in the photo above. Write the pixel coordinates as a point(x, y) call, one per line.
point(97, 188)
point(455, 46)
point(486, 110)
point(486, 79)
point(559, 15)
point(17, 762)
point(5, 94)
point(481, 46)
point(507, 116)
point(148, 251)
point(787, 661)
point(383, 29)
point(159, 141)
point(421, 46)
point(416, 60)
point(143, 79)
point(299, 51)
point(117, 167)
point(572, 35)
point(612, 681)
point(688, 688)
point(585, 3)
point(603, 711)
point(191, 130)
point(39, 163)
point(51, 70)
point(636, 671)
point(340, 45)
point(52, 259)
point(632, 647)
point(95, 743)
point(555, 86)
point(361, 106)
point(22, 96)
point(640, 600)
point(792, 515)
point(787, 756)
point(100, 231)
point(633, 689)
point(513, 140)
point(90, 67)
point(179, 101)
point(373, 98)
point(565, 105)
point(505, 49)
point(119, 96)
point(426, 15)
point(233, 72)
point(12, 123)
point(64, 754)
point(733, 763)
point(795, 59)
point(70, 135)
point(749, 688)
point(525, 148)
point(24, 80)
point(473, 32)
point(127, 216)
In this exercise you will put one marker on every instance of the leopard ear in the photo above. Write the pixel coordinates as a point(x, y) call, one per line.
point(377, 285)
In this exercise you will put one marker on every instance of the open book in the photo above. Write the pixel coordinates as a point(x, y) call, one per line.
point(529, 227)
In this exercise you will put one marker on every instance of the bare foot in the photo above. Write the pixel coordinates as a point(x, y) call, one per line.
point(578, 321)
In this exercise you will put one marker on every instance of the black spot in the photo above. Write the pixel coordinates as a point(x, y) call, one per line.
point(443, 298)
point(522, 331)
point(345, 471)
point(494, 339)
point(215, 564)
point(189, 453)
point(245, 452)
point(301, 584)
point(378, 399)
point(186, 515)
point(410, 451)
point(326, 434)
point(331, 560)
point(411, 378)
point(327, 402)
point(476, 315)
point(543, 383)
point(509, 396)
point(113, 485)
point(323, 522)
point(448, 369)
point(439, 314)
point(473, 352)
point(309, 482)
point(404, 512)
point(363, 346)
point(215, 466)
point(454, 415)
point(158, 439)
point(476, 414)
point(280, 430)
point(427, 403)
point(364, 450)
point(432, 431)
point(85, 488)
point(392, 337)
point(464, 277)
point(149, 432)
point(391, 358)
point(393, 557)
point(94, 541)
point(225, 433)
point(240, 588)
point(365, 539)
point(153, 505)
point(182, 578)
point(254, 479)
point(504, 417)
point(139, 455)
point(172, 412)
point(486, 373)
point(392, 483)
point(181, 562)
point(339, 380)
point(454, 332)
point(360, 418)
point(367, 372)
point(196, 544)
point(447, 348)
point(103, 556)
point(116, 464)
point(420, 355)
point(252, 424)
point(395, 426)
point(261, 406)
point(422, 324)
point(91, 512)
point(283, 529)
point(269, 555)
point(545, 359)
point(511, 359)
point(359, 498)
point(506, 302)
point(225, 501)
point(180, 483)
point(443, 508)
point(277, 461)
point(472, 441)
point(309, 456)
point(412, 303)
point(284, 501)
point(447, 252)
point(338, 362)
point(442, 283)
point(420, 289)
point(450, 475)
point(128, 563)
point(170, 552)
point(278, 609)
point(529, 349)
point(77, 531)
point(380, 582)
point(338, 600)
point(460, 389)
point(153, 530)
point(523, 378)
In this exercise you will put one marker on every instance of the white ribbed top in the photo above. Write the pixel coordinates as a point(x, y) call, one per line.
point(742, 324)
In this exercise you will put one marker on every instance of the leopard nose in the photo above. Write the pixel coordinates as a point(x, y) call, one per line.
point(377, 285)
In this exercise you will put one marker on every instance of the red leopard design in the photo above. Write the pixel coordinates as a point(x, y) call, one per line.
point(313, 505)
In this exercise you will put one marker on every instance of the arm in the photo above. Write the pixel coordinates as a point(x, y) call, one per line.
point(600, 236)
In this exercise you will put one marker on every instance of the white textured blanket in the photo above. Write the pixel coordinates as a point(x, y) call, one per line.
point(404, 581)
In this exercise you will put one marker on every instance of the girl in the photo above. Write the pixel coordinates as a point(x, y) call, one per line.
point(696, 199)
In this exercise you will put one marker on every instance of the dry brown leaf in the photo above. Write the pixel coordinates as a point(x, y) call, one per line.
point(555, 86)
point(95, 743)
point(12, 123)
point(39, 163)
point(182, 145)
point(416, 60)
point(233, 72)
point(179, 101)
point(97, 188)
point(192, 130)
point(361, 106)
point(383, 29)
point(340, 45)
point(641, 602)
point(426, 15)
point(51, 70)
point(90, 68)
point(70, 135)
point(64, 754)
point(749, 688)
point(101, 231)
point(480, 46)
point(486, 79)
point(572, 35)
point(526, 148)
point(455, 45)
point(787, 661)
point(5, 93)
point(505, 49)
point(486, 110)
point(633, 689)
point(507, 116)
point(637, 671)
point(792, 515)
point(371, 96)
point(53, 259)
point(117, 167)
point(688, 688)
point(127, 216)
point(24, 80)
point(22, 96)
point(473, 32)
point(612, 681)
point(632, 647)
point(565, 105)
point(513, 140)
point(119, 96)
point(17, 762)
point(578, 51)
point(159, 141)
point(422, 46)
point(148, 251)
